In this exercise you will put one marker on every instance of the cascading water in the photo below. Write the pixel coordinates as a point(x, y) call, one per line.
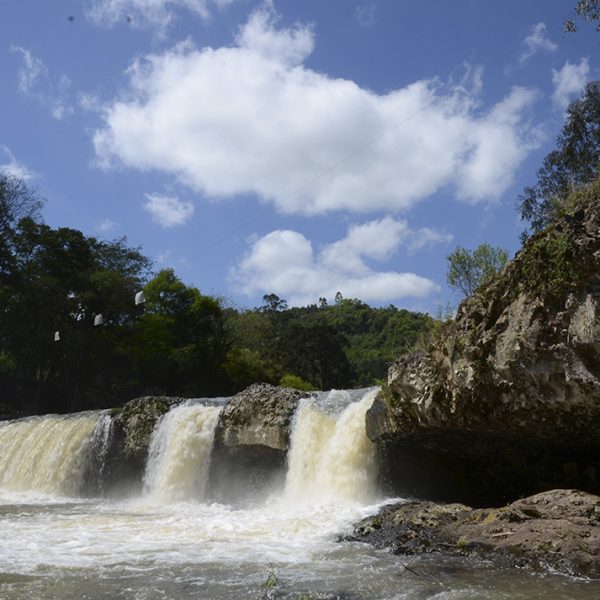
point(179, 456)
point(329, 458)
point(45, 454)
point(157, 547)
point(99, 448)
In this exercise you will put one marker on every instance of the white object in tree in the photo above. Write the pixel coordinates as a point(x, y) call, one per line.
point(57, 336)
point(140, 298)
point(98, 320)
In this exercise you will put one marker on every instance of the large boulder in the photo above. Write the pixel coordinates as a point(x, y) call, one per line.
point(505, 400)
point(251, 442)
point(129, 440)
point(558, 529)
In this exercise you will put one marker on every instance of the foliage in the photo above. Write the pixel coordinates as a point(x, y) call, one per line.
point(57, 280)
point(180, 342)
point(17, 201)
point(574, 163)
point(345, 344)
point(551, 266)
point(293, 381)
point(467, 269)
point(588, 10)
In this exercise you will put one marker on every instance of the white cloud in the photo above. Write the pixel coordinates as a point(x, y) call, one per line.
point(569, 81)
point(365, 14)
point(35, 81)
point(536, 41)
point(31, 71)
point(284, 262)
point(147, 13)
point(168, 211)
point(13, 167)
point(106, 226)
point(252, 118)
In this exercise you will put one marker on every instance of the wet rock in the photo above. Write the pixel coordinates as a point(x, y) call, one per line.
point(558, 529)
point(505, 400)
point(131, 431)
point(251, 441)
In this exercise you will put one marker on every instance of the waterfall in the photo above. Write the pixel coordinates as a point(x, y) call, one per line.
point(331, 458)
point(180, 450)
point(45, 454)
point(98, 448)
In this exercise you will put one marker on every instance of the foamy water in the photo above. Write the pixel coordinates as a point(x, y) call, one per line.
point(169, 543)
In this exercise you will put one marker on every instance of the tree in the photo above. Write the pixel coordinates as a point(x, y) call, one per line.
point(17, 201)
point(180, 345)
point(588, 10)
point(57, 280)
point(467, 269)
point(273, 303)
point(575, 161)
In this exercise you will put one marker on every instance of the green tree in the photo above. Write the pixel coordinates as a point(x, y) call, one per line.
point(58, 280)
point(573, 163)
point(273, 303)
point(180, 345)
point(467, 269)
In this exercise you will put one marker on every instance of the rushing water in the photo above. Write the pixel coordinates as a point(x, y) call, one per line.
point(169, 543)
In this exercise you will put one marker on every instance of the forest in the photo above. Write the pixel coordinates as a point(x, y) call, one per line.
point(72, 336)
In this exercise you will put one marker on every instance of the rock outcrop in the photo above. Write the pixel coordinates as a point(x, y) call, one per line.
point(132, 428)
point(558, 529)
point(252, 440)
point(505, 400)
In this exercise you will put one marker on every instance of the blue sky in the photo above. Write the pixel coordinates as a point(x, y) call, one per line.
point(300, 148)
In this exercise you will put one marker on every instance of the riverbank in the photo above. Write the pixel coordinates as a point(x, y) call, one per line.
point(557, 530)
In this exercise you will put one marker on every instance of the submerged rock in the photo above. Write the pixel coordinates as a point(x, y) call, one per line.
point(252, 439)
point(505, 400)
point(558, 529)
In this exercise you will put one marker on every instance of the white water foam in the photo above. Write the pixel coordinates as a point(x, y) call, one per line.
point(180, 452)
point(45, 454)
point(331, 459)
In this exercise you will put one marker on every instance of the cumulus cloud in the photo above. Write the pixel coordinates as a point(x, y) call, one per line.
point(285, 262)
point(252, 118)
point(168, 211)
point(569, 81)
point(147, 13)
point(12, 166)
point(537, 41)
point(34, 80)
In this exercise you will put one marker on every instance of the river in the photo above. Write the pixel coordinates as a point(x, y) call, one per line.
point(172, 543)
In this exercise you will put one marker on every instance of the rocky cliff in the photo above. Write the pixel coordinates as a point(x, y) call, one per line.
point(505, 400)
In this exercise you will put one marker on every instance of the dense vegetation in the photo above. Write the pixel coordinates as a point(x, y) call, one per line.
point(54, 284)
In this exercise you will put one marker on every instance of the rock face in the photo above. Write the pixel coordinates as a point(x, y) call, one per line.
point(132, 428)
point(505, 400)
point(252, 439)
point(559, 529)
